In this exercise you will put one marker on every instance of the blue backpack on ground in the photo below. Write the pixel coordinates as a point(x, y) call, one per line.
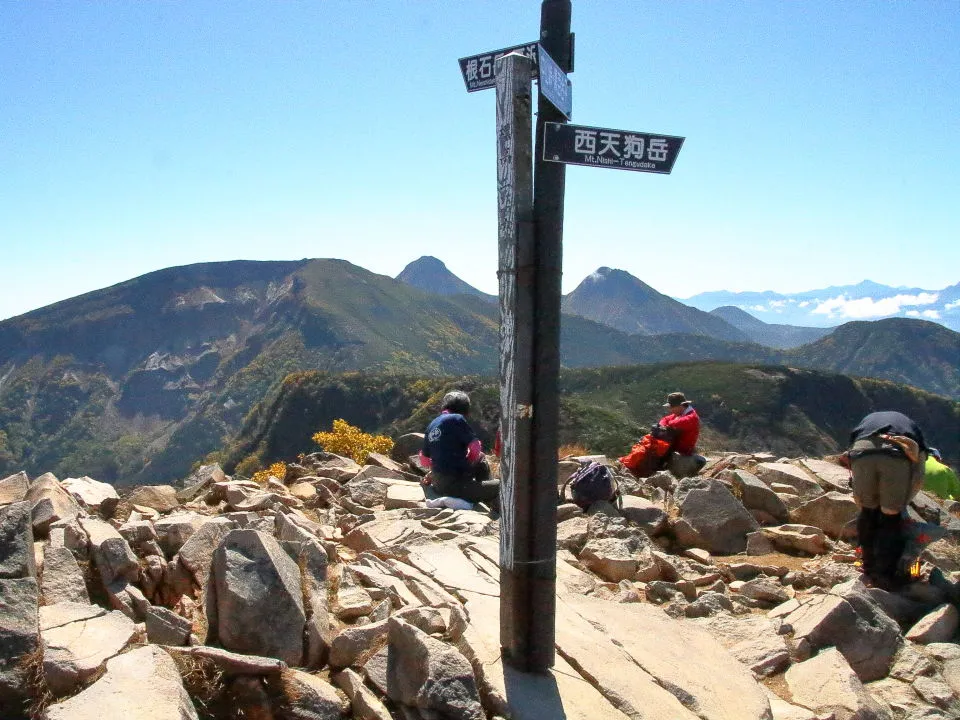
point(591, 483)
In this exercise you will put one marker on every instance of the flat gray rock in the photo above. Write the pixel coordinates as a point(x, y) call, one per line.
point(143, 684)
point(62, 580)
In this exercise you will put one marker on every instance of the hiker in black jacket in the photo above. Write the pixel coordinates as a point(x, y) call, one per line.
point(887, 453)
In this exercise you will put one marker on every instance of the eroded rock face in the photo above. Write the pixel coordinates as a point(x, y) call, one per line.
point(254, 601)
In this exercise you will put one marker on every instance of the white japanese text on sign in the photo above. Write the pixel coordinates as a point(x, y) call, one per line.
point(477, 70)
point(604, 147)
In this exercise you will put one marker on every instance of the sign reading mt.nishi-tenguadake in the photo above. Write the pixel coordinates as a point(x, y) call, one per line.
point(477, 70)
point(605, 147)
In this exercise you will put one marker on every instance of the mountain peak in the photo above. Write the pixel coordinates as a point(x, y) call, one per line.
point(432, 275)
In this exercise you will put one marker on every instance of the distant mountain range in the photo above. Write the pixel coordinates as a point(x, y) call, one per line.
point(835, 305)
point(136, 382)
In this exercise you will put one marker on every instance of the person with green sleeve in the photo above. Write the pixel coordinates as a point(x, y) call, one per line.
point(939, 479)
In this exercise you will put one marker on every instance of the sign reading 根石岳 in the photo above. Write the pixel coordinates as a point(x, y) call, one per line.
point(606, 147)
point(477, 70)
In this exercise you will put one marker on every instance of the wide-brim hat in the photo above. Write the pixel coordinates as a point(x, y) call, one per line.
point(676, 398)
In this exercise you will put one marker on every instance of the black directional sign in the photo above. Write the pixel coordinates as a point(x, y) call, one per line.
point(554, 83)
point(605, 147)
point(477, 70)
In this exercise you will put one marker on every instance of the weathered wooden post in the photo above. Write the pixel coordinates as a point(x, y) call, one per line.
point(517, 293)
point(530, 270)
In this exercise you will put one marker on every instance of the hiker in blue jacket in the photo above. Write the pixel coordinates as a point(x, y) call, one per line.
point(454, 455)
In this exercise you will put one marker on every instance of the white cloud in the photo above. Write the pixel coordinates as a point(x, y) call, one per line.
point(804, 303)
point(912, 313)
point(756, 308)
point(842, 307)
point(932, 314)
point(951, 306)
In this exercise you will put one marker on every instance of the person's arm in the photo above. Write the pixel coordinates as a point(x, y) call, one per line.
point(685, 423)
point(474, 451)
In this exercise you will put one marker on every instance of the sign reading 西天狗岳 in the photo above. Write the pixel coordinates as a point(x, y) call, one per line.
point(477, 70)
point(606, 147)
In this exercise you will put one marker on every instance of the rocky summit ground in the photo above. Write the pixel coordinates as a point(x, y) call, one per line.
point(336, 593)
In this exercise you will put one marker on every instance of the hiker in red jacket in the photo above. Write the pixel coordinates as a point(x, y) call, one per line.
point(681, 428)
point(683, 423)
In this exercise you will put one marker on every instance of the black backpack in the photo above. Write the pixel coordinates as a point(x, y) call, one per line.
point(592, 482)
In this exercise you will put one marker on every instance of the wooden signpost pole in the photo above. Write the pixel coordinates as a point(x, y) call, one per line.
point(517, 300)
point(530, 270)
point(530, 265)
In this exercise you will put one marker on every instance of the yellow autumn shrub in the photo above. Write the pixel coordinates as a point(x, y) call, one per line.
point(277, 470)
point(352, 442)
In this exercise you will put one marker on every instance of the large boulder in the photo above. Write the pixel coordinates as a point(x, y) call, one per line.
point(13, 488)
point(197, 552)
point(254, 599)
point(95, 496)
point(16, 541)
point(830, 512)
point(755, 494)
point(717, 516)
point(938, 626)
point(615, 559)
point(162, 498)
point(19, 642)
point(174, 530)
point(848, 619)
point(200, 480)
point(651, 518)
point(787, 474)
point(49, 503)
point(62, 580)
point(143, 684)
point(309, 697)
point(828, 474)
point(827, 685)
point(429, 674)
point(797, 538)
point(111, 553)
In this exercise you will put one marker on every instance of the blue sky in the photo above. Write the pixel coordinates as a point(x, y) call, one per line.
point(823, 140)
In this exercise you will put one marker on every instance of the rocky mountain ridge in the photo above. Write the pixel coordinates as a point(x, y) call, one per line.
point(332, 592)
point(133, 382)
